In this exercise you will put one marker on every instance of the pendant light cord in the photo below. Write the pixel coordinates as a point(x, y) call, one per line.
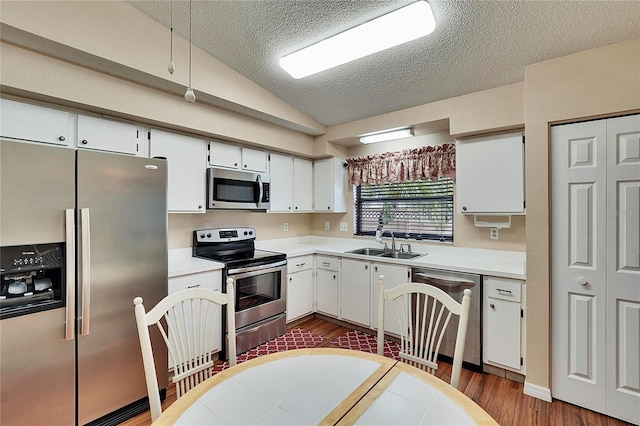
point(171, 30)
point(190, 43)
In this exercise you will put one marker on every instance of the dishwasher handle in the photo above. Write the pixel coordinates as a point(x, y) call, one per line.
point(443, 280)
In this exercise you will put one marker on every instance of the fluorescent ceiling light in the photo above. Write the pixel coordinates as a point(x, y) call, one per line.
point(387, 135)
point(400, 26)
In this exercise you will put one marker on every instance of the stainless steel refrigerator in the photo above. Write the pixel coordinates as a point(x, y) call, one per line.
point(82, 233)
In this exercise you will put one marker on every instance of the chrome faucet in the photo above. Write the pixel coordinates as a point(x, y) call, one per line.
point(393, 240)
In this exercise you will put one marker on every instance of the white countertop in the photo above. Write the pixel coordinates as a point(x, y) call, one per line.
point(181, 262)
point(500, 263)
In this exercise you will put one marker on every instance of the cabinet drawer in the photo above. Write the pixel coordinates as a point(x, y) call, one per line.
point(325, 262)
point(301, 263)
point(503, 288)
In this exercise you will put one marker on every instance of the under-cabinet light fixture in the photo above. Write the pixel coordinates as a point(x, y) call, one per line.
point(400, 26)
point(387, 135)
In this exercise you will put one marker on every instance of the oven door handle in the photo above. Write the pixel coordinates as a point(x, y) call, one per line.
point(256, 268)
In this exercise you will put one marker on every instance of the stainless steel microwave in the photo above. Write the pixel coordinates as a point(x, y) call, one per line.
point(237, 190)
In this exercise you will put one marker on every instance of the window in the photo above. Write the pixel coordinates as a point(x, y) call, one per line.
point(421, 210)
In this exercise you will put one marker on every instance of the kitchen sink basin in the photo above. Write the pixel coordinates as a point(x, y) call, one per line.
point(369, 251)
point(393, 254)
point(401, 255)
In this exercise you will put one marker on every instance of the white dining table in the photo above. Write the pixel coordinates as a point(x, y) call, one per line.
point(325, 386)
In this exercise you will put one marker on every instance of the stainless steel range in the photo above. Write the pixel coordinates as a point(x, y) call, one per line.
point(259, 279)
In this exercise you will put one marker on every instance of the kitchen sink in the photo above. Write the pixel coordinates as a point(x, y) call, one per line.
point(401, 255)
point(393, 254)
point(369, 251)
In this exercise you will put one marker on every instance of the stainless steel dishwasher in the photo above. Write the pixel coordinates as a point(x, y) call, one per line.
point(454, 283)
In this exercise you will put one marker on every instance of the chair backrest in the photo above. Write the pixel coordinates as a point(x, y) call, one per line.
point(424, 313)
point(187, 320)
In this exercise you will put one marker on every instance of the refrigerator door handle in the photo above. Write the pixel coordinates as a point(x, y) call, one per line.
point(86, 271)
point(70, 247)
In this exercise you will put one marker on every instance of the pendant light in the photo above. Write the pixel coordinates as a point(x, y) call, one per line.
point(171, 67)
point(189, 95)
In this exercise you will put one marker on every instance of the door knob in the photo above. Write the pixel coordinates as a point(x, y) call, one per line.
point(582, 281)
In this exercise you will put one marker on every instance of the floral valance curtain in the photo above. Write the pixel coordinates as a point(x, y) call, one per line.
point(426, 163)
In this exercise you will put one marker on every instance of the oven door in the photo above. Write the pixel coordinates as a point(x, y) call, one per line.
point(231, 189)
point(261, 292)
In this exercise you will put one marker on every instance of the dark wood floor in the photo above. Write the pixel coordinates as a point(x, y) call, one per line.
point(501, 398)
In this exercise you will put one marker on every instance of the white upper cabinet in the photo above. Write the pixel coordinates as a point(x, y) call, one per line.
point(490, 174)
point(329, 186)
point(35, 123)
point(302, 185)
point(281, 171)
point(236, 157)
point(291, 184)
point(186, 170)
point(108, 135)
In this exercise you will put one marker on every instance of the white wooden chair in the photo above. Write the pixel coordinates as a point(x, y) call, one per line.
point(423, 313)
point(187, 322)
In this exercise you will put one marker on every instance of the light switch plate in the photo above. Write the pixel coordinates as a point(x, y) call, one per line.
point(327, 226)
point(286, 226)
point(344, 226)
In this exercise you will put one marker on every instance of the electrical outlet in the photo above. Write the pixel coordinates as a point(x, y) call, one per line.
point(327, 226)
point(344, 227)
point(493, 234)
point(286, 226)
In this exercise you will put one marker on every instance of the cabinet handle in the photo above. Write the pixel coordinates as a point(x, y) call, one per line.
point(329, 208)
point(375, 268)
point(245, 166)
point(301, 264)
point(500, 290)
point(61, 138)
point(325, 263)
point(334, 277)
point(193, 286)
point(199, 206)
point(235, 164)
point(492, 306)
point(296, 207)
point(84, 141)
point(290, 278)
point(366, 267)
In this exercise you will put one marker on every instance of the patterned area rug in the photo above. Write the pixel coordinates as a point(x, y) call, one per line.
point(359, 341)
point(296, 338)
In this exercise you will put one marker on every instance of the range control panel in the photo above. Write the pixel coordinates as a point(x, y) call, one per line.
point(217, 235)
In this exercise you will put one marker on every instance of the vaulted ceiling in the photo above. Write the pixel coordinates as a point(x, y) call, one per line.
point(477, 45)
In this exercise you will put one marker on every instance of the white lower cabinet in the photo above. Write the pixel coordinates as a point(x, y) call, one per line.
point(328, 285)
point(209, 279)
point(300, 294)
point(355, 291)
point(503, 311)
point(394, 275)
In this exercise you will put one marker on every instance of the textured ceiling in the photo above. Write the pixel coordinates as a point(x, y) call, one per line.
point(477, 45)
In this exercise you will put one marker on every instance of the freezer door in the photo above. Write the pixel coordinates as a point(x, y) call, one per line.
point(122, 253)
point(37, 364)
point(37, 184)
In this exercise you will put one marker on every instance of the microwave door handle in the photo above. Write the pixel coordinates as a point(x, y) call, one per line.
point(260, 192)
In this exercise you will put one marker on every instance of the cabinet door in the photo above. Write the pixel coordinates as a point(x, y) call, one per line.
point(327, 292)
point(107, 135)
point(299, 294)
point(281, 170)
point(355, 291)
point(211, 280)
point(302, 185)
point(186, 170)
point(34, 123)
point(393, 275)
point(329, 186)
point(490, 174)
point(502, 332)
point(254, 160)
point(224, 155)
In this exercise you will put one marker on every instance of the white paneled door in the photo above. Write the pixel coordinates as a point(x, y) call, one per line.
point(596, 265)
